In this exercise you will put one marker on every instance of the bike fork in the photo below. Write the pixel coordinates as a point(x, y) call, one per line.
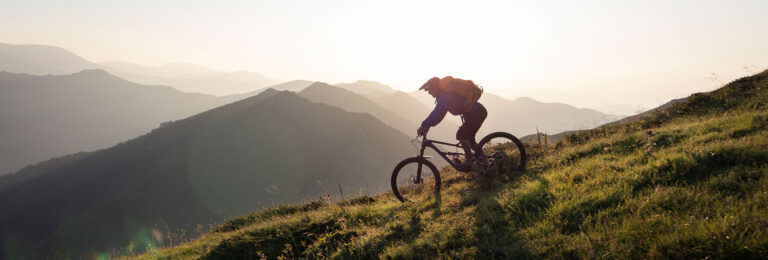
point(421, 156)
point(418, 174)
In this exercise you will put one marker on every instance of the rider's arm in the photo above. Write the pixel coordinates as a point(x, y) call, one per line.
point(438, 114)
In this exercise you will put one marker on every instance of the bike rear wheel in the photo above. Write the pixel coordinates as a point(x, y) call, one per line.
point(408, 186)
point(505, 150)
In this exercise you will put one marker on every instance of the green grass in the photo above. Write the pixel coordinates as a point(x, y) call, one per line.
point(695, 187)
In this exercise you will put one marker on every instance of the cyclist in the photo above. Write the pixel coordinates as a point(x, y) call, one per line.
point(472, 115)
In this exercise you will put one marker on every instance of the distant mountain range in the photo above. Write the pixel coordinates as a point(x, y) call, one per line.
point(187, 77)
point(191, 78)
point(294, 85)
point(275, 147)
point(42, 117)
point(347, 100)
point(554, 138)
point(414, 111)
point(523, 116)
point(61, 131)
point(367, 88)
point(520, 116)
point(41, 60)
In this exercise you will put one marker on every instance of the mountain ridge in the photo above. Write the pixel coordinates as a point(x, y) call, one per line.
point(350, 101)
point(47, 59)
point(367, 87)
point(40, 59)
point(52, 115)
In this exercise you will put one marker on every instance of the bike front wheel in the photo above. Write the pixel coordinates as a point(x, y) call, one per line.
point(415, 179)
point(503, 152)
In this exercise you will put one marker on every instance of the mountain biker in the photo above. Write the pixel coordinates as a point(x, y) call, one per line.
point(472, 115)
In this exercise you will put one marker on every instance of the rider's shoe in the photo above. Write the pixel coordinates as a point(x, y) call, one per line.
point(466, 166)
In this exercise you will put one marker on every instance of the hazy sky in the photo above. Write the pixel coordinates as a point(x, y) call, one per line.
point(610, 55)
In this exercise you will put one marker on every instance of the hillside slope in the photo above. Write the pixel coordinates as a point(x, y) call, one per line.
point(688, 181)
point(272, 148)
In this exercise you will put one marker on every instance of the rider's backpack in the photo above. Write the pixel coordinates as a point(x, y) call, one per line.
point(465, 88)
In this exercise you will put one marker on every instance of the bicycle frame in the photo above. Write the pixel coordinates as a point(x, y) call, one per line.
point(431, 144)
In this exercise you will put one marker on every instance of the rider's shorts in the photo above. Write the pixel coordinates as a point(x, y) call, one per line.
point(472, 122)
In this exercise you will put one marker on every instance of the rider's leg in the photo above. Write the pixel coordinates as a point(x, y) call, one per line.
point(478, 115)
point(476, 148)
point(467, 131)
point(467, 146)
point(468, 160)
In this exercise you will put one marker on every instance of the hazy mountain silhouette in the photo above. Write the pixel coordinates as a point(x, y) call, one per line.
point(367, 88)
point(404, 105)
point(175, 69)
point(423, 97)
point(46, 116)
point(275, 147)
point(188, 77)
point(40, 60)
point(522, 116)
point(350, 101)
point(294, 85)
point(555, 137)
point(397, 109)
point(414, 111)
point(191, 77)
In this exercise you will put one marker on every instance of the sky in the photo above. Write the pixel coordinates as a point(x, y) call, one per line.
point(615, 56)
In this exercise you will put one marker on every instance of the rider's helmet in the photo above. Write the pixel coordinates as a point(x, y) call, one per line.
point(431, 85)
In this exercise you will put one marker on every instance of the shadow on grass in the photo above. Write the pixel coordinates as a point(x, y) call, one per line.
point(436, 211)
point(396, 233)
point(289, 241)
point(496, 227)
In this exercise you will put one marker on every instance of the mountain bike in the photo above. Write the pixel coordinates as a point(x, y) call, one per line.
point(417, 176)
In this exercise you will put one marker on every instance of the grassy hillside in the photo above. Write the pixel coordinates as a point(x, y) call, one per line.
point(686, 181)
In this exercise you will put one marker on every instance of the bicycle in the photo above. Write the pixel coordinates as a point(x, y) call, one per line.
point(411, 179)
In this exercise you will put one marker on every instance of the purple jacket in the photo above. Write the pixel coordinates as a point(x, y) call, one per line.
point(446, 102)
